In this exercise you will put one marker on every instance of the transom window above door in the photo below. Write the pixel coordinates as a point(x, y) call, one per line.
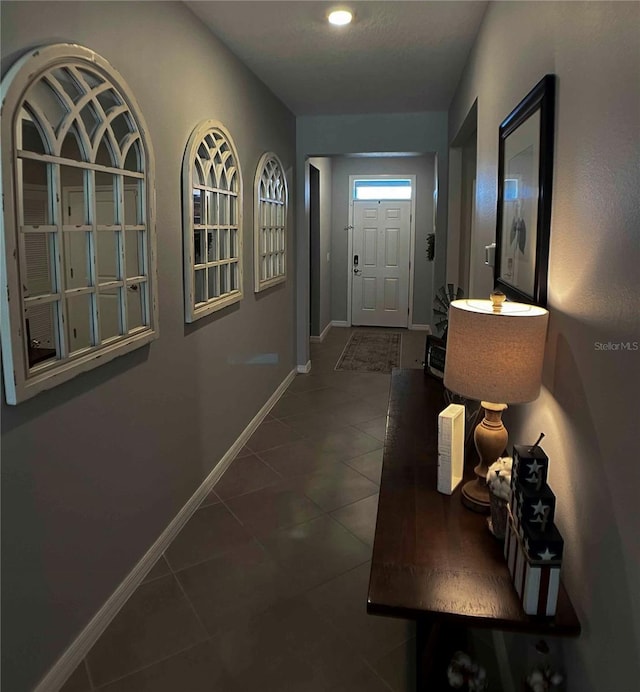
point(382, 188)
point(78, 227)
point(212, 209)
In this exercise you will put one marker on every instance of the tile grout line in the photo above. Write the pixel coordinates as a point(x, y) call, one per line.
point(153, 663)
point(193, 608)
point(88, 671)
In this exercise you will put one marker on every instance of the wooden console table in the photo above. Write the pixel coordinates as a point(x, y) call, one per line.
point(434, 561)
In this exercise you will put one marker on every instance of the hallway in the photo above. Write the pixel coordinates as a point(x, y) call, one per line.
point(265, 586)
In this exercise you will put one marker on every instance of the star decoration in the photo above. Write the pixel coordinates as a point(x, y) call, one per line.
point(533, 478)
point(546, 555)
point(540, 508)
point(534, 467)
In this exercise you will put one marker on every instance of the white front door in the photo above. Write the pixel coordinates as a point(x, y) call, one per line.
point(380, 263)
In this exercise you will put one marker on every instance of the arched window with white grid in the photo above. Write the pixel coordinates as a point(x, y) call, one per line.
point(270, 219)
point(78, 234)
point(212, 207)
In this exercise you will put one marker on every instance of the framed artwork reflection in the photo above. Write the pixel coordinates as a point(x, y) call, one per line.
point(525, 178)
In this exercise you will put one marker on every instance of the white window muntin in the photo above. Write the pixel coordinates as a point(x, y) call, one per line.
point(64, 95)
point(270, 223)
point(212, 220)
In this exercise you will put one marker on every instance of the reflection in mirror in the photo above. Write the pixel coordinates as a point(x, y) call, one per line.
point(520, 205)
point(35, 193)
point(198, 238)
point(233, 238)
point(109, 313)
point(105, 155)
point(38, 250)
point(72, 180)
point(90, 119)
point(232, 178)
point(108, 99)
point(106, 199)
point(211, 246)
point(132, 201)
point(214, 283)
point(68, 83)
point(233, 279)
point(72, 146)
point(40, 334)
point(133, 159)
point(224, 215)
point(43, 99)
point(135, 302)
point(200, 287)
point(107, 256)
point(197, 173)
point(224, 243)
point(233, 217)
point(76, 259)
point(79, 322)
point(224, 278)
point(31, 137)
point(197, 207)
point(212, 208)
point(121, 126)
point(134, 252)
point(91, 78)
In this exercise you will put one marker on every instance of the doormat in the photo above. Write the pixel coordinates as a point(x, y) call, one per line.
point(371, 352)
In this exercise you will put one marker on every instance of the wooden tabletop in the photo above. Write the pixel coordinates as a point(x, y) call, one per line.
point(431, 555)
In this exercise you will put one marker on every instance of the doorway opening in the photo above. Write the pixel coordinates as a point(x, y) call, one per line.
point(462, 265)
point(314, 251)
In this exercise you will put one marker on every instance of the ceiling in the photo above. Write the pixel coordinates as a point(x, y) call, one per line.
point(395, 56)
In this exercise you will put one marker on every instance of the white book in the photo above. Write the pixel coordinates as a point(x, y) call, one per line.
point(450, 448)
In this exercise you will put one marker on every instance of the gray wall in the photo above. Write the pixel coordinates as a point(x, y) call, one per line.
point(353, 134)
point(324, 287)
point(423, 168)
point(588, 407)
point(94, 470)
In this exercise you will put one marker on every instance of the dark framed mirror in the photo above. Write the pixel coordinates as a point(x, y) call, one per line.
point(525, 178)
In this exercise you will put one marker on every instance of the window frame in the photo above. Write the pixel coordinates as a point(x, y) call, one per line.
point(22, 380)
point(387, 182)
point(196, 310)
point(259, 283)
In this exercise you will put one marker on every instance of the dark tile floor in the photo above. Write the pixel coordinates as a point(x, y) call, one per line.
point(265, 586)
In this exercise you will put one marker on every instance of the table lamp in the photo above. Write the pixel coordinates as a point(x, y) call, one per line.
point(495, 351)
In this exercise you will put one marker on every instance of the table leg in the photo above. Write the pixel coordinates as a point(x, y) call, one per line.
point(436, 642)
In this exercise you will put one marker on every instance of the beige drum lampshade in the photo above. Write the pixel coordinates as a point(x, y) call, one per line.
point(495, 355)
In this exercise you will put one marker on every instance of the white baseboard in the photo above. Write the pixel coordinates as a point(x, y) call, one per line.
point(322, 337)
point(80, 647)
point(340, 323)
point(420, 327)
point(304, 369)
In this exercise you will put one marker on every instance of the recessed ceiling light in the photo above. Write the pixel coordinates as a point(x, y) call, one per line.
point(340, 17)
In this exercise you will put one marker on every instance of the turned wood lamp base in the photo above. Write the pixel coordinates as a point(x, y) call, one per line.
point(490, 437)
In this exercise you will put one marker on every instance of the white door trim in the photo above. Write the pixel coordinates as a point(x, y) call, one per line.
point(412, 236)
